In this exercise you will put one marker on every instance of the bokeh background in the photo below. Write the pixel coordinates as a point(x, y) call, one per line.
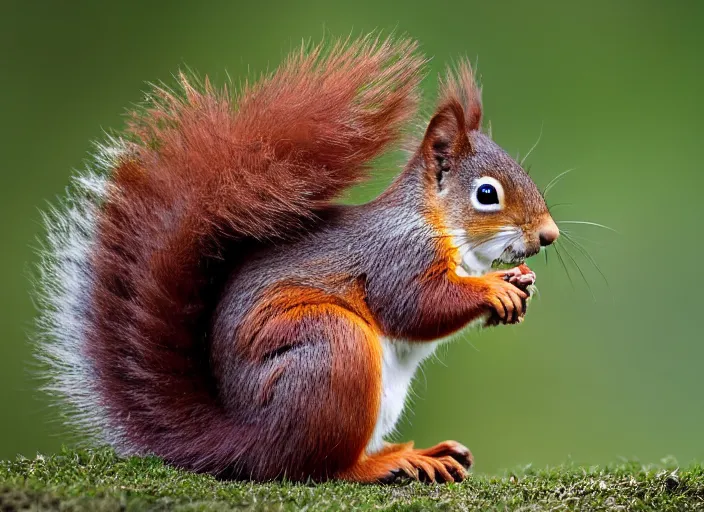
point(615, 88)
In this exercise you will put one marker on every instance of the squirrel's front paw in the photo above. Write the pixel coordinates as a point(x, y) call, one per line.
point(522, 277)
point(508, 292)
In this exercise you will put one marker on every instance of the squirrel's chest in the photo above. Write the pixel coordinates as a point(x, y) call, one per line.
point(399, 364)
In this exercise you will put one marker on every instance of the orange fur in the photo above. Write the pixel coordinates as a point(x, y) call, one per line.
point(216, 334)
point(338, 427)
point(445, 462)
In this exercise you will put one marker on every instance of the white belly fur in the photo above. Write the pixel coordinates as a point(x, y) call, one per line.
point(400, 362)
point(401, 359)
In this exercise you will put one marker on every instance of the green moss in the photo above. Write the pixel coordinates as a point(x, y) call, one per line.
point(99, 480)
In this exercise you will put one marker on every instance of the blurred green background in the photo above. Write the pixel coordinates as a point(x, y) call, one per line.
point(616, 89)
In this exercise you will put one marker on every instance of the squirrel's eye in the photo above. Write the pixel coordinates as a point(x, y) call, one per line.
point(487, 194)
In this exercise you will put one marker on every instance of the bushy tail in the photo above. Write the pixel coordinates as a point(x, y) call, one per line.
point(128, 274)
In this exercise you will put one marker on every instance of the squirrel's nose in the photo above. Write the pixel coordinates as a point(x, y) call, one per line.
point(548, 232)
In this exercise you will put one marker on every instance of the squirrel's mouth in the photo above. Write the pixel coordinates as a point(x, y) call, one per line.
point(511, 257)
point(506, 250)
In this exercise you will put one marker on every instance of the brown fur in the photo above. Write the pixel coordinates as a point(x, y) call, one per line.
point(206, 170)
point(236, 315)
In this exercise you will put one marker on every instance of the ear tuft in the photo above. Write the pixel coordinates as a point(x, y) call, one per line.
point(460, 86)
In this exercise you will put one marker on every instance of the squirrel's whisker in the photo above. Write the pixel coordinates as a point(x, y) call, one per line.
point(570, 234)
point(589, 257)
point(557, 205)
point(587, 223)
point(555, 180)
point(579, 269)
point(540, 136)
point(564, 265)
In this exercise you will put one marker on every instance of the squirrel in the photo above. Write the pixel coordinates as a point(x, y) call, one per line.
point(206, 297)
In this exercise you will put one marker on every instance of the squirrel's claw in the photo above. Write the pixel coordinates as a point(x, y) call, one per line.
point(508, 295)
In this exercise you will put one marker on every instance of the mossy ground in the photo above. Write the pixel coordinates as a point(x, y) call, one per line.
point(99, 480)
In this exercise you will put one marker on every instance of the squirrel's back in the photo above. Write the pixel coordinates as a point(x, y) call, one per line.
point(139, 252)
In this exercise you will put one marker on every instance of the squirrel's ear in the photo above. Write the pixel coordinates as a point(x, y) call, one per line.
point(460, 112)
point(445, 138)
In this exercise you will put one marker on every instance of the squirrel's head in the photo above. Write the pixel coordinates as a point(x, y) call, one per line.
point(491, 208)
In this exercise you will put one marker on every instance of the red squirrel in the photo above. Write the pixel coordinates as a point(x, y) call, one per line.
point(206, 298)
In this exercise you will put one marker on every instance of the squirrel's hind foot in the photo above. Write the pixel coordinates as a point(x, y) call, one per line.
point(443, 463)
